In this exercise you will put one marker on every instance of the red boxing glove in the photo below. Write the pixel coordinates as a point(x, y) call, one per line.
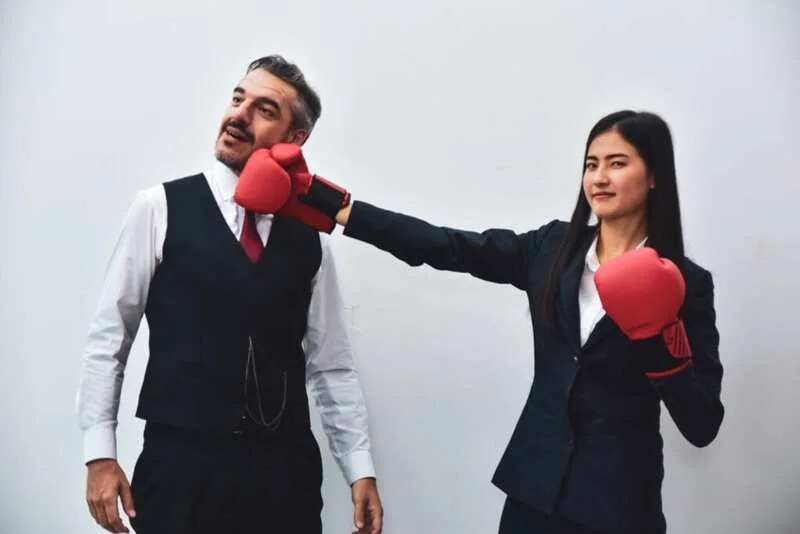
point(313, 201)
point(643, 294)
point(263, 185)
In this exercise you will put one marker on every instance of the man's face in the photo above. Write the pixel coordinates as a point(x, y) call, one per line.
point(258, 116)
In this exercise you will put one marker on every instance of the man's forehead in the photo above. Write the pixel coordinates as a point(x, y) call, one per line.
point(262, 83)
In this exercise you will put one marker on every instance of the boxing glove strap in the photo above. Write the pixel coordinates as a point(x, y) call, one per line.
point(668, 372)
point(666, 353)
point(676, 340)
point(325, 196)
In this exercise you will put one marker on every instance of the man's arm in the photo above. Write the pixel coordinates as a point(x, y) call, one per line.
point(333, 382)
point(111, 333)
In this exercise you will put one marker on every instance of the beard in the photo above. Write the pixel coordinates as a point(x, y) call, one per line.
point(233, 161)
point(234, 145)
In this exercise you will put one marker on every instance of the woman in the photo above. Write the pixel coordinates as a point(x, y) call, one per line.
point(618, 329)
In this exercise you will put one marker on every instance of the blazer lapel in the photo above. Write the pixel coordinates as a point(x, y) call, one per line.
point(568, 309)
point(604, 327)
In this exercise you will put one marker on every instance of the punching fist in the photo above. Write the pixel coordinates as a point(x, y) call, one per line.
point(643, 294)
point(314, 200)
point(263, 186)
point(311, 199)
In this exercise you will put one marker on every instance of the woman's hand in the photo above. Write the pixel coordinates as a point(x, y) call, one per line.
point(344, 215)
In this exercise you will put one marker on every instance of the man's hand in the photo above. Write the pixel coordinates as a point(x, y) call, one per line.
point(367, 508)
point(105, 482)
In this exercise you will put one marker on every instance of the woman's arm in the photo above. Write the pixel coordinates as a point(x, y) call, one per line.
point(692, 396)
point(669, 315)
point(278, 180)
point(496, 255)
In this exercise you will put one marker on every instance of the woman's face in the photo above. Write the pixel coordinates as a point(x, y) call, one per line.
point(615, 178)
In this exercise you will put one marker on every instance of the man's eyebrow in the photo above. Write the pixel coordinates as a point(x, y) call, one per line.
point(269, 101)
point(261, 99)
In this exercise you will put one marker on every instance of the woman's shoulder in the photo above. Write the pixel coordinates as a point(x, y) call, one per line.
point(547, 238)
point(555, 229)
point(697, 278)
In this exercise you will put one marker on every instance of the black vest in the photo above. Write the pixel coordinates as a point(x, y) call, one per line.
point(211, 310)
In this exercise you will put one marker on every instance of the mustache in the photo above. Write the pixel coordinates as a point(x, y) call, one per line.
point(240, 128)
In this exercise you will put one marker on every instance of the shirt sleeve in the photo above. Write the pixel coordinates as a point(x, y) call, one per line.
point(332, 377)
point(116, 321)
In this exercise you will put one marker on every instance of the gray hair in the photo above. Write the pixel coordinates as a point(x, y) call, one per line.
point(306, 108)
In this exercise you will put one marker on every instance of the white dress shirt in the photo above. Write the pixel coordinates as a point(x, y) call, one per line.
point(331, 377)
point(591, 308)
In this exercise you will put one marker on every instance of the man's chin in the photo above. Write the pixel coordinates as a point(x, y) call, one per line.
point(233, 161)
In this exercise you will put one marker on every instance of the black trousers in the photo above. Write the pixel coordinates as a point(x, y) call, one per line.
point(519, 518)
point(239, 484)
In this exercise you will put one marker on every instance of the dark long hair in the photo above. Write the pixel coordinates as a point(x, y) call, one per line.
point(651, 137)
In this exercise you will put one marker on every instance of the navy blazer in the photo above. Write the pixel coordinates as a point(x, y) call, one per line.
point(587, 444)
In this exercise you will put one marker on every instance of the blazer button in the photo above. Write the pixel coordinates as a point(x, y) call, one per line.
point(574, 357)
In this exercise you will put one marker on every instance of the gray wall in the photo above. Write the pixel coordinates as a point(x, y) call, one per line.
point(469, 114)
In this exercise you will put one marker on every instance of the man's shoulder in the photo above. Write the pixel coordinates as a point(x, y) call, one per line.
point(156, 190)
point(149, 196)
point(154, 196)
point(188, 180)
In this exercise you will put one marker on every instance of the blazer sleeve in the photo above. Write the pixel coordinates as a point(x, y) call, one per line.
point(692, 396)
point(496, 255)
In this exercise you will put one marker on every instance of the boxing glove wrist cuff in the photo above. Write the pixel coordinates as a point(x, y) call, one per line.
point(668, 372)
point(325, 196)
point(666, 353)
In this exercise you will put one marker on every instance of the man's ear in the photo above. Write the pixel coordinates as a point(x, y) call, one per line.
point(298, 137)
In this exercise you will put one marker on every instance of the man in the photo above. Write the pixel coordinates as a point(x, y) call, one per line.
point(237, 331)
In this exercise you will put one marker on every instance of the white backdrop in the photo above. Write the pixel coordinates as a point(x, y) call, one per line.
point(467, 113)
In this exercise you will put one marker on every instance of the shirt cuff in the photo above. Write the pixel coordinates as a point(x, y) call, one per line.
point(100, 441)
point(356, 465)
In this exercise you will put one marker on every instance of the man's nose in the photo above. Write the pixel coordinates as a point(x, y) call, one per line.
point(242, 113)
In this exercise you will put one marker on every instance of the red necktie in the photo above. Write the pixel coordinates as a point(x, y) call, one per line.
point(249, 239)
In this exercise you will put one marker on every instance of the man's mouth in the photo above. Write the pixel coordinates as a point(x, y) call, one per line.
point(237, 134)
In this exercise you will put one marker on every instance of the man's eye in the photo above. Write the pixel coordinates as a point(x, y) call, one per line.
point(237, 100)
